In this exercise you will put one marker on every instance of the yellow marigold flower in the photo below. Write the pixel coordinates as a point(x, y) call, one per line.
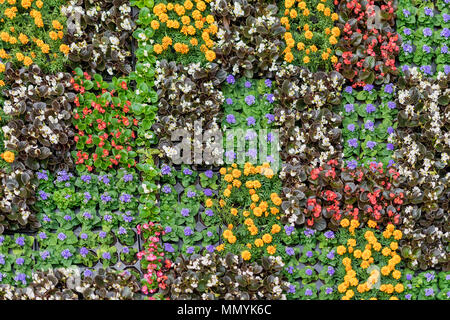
point(290, 43)
point(233, 211)
point(366, 254)
point(8, 156)
point(26, 3)
point(387, 234)
point(300, 46)
point(236, 173)
point(256, 184)
point(27, 61)
point(271, 250)
point(228, 177)
point(333, 40)
point(309, 35)
point(396, 258)
point(227, 192)
point(386, 251)
point(389, 288)
point(53, 35)
point(253, 206)
point(334, 59)
point(350, 249)
point(306, 59)
point(289, 3)
point(345, 223)
point(246, 213)
point(325, 56)
point(188, 5)
point(354, 282)
point(365, 264)
point(227, 233)
point(39, 4)
point(371, 224)
point(394, 245)
point(267, 238)
point(385, 270)
point(220, 247)
point(253, 230)
point(223, 171)
point(377, 246)
point(334, 17)
point(57, 25)
point(357, 254)
point(249, 245)
point(64, 49)
point(288, 57)
point(232, 239)
point(248, 222)
point(45, 48)
point(158, 48)
point(397, 234)
point(208, 203)
point(351, 242)
point(327, 12)
point(399, 288)
point(354, 223)
point(346, 261)
point(210, 19)
point(320, 7)
point(336, 31)
point(274, 210)
point(246, 255)
point(2, 66)
point(275, 228)
point(237, 183)
point(255, 197)
point(259, 243)
point(306, 12)
point(341, 250)
point(2, 83)
point(293, 13)
point(257, 211)
point(342, 287)
point(19, 57)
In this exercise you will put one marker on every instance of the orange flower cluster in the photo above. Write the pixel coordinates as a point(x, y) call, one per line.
point(368, 255)
point(189, 21)
point(258, 222)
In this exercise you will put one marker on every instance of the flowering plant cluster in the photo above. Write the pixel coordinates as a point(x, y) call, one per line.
point(16, 259)
point(310, 35)
point(425, 34)
point(58, 284)
point(184, 31)
point(369, 125)
point(99, 35)
point(87, 219)
point(32, 32)
point(368, 45)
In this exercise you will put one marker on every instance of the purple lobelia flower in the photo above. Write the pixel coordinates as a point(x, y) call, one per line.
point(390, 163)
point(87, 215)
point(407, 47)
point(122, 230)
point(308, 272)
point(390, 146)
point(168, 247)
point(406, 12)
point(352, 164)
point(250, 135)
point(270, 117)
point(191, 194)
point(409, 277)
point(42, 235)
point(429, 276)
point(208, 192)
point(66, 254)
point(252, 153)
point(351, 127)
point(46, 218)
point(168, 229)
point(83, 236)
point(105, 197)
point(408, 296)
point(309, 232)
point(20, 261)
point(445, 32)
point(426, 48)
point(289, 229)
point(330, 270)
point(426, 69)
point(289, 251)
point(67, 217)
point(330, 255)
point(167, 189)
point(20, 241)
point(21, 277)
point(371, 144)
point(447, 69)
point(128, 177)
point(190, 250)
point(389, 88)
point(446, 17)
point(329, 234)
point(370, 108)
point(43, 195)
point(248, 84)
point(250, 100)
point(291, 289)
point(209, 234)
point(106, 255)
point(268, 83)
point(185, 212)
point(230, 155)
point(270, 97)
point(107, 217)
point(391, 105)
point(270, 137)
point(349, 107)
point(187, 171)
point(188, 231)
point(368, 87)
point(87, 273)
point(125, 250)
point(229, 101)
point(231, 79)
point(84, 251)
point(105, 179)
point(62, 236)
point(428, 11)
point(210, 248)
point(125, 197)
point(407, 31)
point(328, 290)
point(369, 125)
point(427, 32)
point(102, 234)
point(309, 254)
point(444, 49)
point(308, 292)
point(165, 169)
point(348, 89)
point(209, 174)
point(390, 130)
point(42, 175)
point(63, 176)
point(231, 119)
point(251, 121)
point(86, 178)
point(353, 143)
point(44, 254)
point(209, 212)
point(429, 292)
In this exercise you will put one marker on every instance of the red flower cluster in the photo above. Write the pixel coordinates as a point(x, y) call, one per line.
point(152, 258)
point(368, 45)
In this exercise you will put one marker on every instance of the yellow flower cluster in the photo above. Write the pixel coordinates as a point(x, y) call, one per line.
point(15, 39)
point(8, 156)
point(300, 12)
point(259, 219)
point(189, 21)
point(362, 256)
